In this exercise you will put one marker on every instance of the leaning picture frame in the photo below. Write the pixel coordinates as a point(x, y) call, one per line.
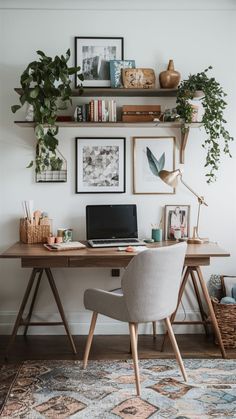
point(176, 222)
point(100, 165)
point(93, 55)
point(145, 179)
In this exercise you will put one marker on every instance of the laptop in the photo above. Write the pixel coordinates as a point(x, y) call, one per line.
point(112, 225)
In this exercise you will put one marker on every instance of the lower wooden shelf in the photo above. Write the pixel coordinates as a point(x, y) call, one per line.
point(185, 128)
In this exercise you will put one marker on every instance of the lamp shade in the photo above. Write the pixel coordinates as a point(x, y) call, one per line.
point(170, 178)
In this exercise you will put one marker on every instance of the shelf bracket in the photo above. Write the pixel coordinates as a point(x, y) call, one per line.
point(184, 139)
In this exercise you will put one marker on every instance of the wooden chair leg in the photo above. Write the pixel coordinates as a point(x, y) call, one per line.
point(154, 330)
point(175, 348)
point(133, 338)
point(89, 339)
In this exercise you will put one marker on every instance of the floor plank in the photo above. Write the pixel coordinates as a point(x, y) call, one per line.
point(108, 347)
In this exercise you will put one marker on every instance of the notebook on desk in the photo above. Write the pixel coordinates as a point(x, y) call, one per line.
point(112, 225)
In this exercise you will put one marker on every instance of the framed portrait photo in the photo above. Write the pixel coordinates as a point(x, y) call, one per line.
point(93, 55)
point(145, 178)
point(176, 222)
point(100, 165)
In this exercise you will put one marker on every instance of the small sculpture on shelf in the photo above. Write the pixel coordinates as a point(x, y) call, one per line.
point(170, 78)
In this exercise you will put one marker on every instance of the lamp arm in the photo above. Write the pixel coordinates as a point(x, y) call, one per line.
point(200, 198)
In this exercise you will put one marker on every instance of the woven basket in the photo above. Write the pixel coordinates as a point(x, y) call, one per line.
point(33, 234)
point(226, 318)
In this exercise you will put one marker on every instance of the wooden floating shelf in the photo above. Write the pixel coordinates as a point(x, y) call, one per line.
point(73, 124)
point(106, 92)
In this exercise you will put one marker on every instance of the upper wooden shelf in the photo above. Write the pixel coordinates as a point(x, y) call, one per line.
point(103, 92)
point(71, 124)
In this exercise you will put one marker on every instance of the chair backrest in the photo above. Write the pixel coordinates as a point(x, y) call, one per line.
point(151, 283)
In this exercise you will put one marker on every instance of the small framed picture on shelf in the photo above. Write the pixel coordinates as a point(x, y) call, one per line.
point(116, 67)
point(176, 222)
point(150, 156)
point(93, 55)
point(100, 165)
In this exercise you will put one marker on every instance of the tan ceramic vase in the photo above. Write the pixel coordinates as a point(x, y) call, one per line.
point(170, 78)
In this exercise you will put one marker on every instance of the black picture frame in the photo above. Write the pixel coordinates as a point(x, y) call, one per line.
point(100, 141)
point(95, 62)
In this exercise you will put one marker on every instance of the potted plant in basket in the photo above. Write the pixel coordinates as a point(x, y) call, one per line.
point(213, 102)
point(45, 85)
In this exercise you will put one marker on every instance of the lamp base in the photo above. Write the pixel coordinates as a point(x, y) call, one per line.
point(196, 239)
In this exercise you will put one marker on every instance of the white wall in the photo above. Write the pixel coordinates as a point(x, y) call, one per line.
point(195, 35)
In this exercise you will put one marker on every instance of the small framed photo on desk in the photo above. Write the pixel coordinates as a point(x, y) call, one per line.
point(176, 222)
point(100, 165)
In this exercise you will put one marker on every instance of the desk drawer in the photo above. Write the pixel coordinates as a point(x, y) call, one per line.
point(99, 261)
point(46, 262)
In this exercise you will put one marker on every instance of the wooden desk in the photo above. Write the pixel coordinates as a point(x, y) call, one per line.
point(40, 259)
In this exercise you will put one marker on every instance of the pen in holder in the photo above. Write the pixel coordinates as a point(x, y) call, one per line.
point(157, 234)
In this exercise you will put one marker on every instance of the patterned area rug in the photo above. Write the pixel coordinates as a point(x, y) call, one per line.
point(106, 390)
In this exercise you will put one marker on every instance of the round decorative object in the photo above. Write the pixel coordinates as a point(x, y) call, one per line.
point(170, 78)
point(234, 291)
point(227, 300)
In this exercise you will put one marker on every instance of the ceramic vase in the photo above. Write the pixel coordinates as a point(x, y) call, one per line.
point(170, 78)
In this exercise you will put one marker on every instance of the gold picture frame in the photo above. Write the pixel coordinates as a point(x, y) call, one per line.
point(144, 181)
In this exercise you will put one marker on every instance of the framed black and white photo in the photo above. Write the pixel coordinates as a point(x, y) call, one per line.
point(100, 165)
point(176, 222)
point(93, 55)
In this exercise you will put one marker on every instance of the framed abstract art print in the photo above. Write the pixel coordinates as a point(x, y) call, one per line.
point(100, 165)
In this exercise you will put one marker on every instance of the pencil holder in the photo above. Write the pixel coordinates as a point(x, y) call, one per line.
point(157, 234)
point(30, 233)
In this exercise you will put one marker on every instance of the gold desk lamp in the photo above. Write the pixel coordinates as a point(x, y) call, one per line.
point(171, 179)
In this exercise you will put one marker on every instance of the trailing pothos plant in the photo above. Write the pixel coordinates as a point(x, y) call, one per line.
point(45, 84)
point(213, 120)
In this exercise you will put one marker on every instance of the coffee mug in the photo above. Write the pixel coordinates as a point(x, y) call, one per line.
point(157, 234)
point(50, 240)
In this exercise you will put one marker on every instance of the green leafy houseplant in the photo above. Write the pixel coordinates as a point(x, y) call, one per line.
point(213, 119)
point(46, 86)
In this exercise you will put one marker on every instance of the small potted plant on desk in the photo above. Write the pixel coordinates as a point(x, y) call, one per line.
point(212, 97)
point(45, 85)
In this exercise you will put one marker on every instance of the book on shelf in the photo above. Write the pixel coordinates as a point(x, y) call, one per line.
point(140, 113)
point(96, 110)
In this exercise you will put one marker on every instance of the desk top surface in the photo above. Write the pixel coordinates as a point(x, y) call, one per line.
point(21, 250)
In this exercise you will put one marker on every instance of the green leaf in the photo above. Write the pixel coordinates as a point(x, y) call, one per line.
point(30, 164)
point(161, 162)
point(153, 163)
point(41, 53)
point(15, 108)
point(34, 93)
point(39, 131)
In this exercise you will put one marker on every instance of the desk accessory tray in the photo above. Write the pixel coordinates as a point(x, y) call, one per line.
point(57, 247)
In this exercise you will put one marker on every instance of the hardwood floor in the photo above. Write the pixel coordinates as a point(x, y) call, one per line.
point(108, 347)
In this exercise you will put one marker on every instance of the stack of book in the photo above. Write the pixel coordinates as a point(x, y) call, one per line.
point(140, 113)
point(96, 111)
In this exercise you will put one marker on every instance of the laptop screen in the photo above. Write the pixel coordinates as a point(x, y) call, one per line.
point(111, 221)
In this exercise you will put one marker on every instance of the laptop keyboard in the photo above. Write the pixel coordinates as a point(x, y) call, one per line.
point(115, 241)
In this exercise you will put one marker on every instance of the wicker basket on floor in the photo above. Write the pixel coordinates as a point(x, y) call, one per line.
point(226, 318)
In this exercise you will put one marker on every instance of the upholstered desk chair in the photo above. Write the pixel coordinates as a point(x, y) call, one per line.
point(150, 287)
